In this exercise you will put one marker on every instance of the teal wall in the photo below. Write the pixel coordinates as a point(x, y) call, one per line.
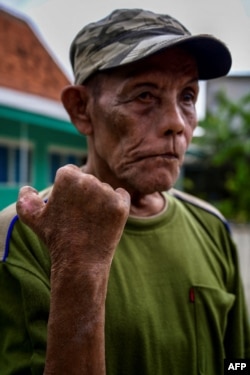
point(42, 132)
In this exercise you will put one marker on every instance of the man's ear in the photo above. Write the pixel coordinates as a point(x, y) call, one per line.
point(75, 100)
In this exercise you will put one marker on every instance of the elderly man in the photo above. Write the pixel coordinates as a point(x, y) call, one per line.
point(111, 270)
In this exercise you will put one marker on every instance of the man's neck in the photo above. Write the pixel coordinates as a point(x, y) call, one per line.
point(147, 205)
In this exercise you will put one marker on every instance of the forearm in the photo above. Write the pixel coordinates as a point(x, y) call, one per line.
point(76, 322)
point(81, 225)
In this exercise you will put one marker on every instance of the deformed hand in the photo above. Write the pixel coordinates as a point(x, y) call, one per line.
point(81, 213)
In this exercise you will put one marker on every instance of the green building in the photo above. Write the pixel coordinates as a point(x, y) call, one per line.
point(33, 144)
point(36, 136)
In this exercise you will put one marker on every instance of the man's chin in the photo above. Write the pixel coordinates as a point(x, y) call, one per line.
point(150, 181)
point(153, 187)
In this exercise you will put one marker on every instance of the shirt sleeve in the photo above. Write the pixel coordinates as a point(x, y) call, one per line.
point(237, 337)
point(24, 307)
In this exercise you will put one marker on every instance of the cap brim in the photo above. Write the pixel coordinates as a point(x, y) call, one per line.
point(212, 56)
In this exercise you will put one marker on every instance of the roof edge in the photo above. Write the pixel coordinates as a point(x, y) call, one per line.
point(33, 103)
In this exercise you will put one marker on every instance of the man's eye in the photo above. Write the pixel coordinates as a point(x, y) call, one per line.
point(145, 96)
point(189, 97)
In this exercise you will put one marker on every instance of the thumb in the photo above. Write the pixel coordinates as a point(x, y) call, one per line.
point(29, 206)
point(124, 196)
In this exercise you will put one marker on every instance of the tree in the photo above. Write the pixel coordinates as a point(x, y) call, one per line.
point(227, 148)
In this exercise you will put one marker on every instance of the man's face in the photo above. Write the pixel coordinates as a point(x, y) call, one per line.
point(143, 121)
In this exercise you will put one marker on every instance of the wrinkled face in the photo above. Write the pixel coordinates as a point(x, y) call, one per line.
point(143, 121)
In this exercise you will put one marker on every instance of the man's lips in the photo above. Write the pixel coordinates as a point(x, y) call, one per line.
point(167, 155)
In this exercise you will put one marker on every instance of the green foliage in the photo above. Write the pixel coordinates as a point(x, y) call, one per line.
point(227, 145)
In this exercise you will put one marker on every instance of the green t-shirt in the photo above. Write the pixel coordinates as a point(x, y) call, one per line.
point(175, 302)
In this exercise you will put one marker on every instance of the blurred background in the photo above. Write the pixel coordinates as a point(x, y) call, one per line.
point(36, 136)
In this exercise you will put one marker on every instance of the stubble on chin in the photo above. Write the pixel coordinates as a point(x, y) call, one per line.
point(148, 183)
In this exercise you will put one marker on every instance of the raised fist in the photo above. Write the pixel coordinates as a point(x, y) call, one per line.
point(82, 213)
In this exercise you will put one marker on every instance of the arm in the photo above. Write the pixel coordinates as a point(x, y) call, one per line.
point(81, 225)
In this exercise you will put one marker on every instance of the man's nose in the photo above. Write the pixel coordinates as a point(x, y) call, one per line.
point(173, 120)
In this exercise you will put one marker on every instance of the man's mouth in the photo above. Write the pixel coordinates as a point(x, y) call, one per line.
point(167, 155)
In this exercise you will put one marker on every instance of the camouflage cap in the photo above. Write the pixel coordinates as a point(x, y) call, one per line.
point(128, 35)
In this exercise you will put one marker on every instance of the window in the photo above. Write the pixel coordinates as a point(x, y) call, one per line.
point(15, 162)
point(60, 156)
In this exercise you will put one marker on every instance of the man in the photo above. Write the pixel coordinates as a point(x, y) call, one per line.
point(111, 271)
